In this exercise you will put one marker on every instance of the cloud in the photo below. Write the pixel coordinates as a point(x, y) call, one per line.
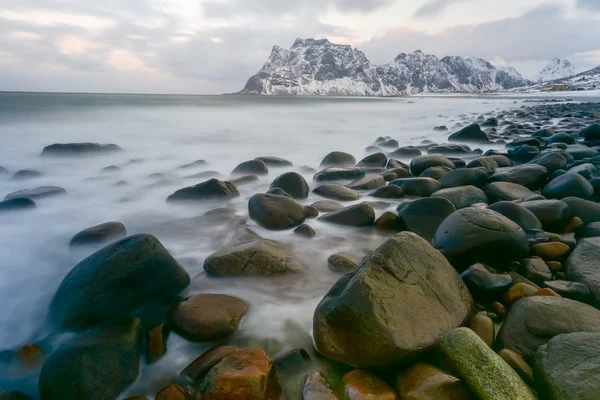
point(589, 4)
point(433, 8)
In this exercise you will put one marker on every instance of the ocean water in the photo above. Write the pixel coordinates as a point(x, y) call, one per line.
point(158, 134)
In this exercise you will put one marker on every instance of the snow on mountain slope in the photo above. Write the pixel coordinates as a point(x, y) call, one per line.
point(319, 67)
point(556, 69)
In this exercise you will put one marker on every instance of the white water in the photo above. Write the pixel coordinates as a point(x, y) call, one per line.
point(166, 132)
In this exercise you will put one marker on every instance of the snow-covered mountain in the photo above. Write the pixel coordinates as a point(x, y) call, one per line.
point(319, 67)
point(556, 69)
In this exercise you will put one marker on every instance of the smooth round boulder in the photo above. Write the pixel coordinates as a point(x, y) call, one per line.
point(311, 212)
point(388, 192)
point(472, 235)
point(19, 203)
point(292, 183)
point(571, 290)
point(212, 189)
point(359, 215)
point(412, 295)
point(388, 221)
point(373, 160)
point(254, 258)
point(335, 191)
point(588, 211)
point(552, 251)
point(207, 317)
point(255, 167)
point(590, 133)
point(424, 216)
point(93, 292)
point(484, 284)
point(405, 152)
point(272, 161)
point(533, 321)
point(338, 159)
point(518, 214)
point(435, 172)
point(422, 187)
point(75, 149)
point(553, 214)
point(37, 193)
point(465, 177)
point(274, 212)
point(198, 368)
point(469, 134)
point(425, 381)
point(327, 205)
point(343, 262)
point(518, 364)
point(531, 176)
point(536, 270)
point(506, 191)
point(305, 231)
point(360, 385)
point(582, 266)
point(553, 161)
point(367, 183)
point(568, 185)
point(421, 163)
point(339, 174)
point(462, 196)
point(484, 327)
point(103, 233)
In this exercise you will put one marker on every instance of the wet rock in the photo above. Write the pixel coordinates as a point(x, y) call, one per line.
point(588, 170)
point(435, 172)
point(553, 161)
point(424, 216)
point(156, 343)
point(533, 321)
point(586, 210)
point(327, 205)
point(246, 374)
point(390, 143)
point(373, 160)
point(518, 214)
point(99, 234)
point(271, 161)
point(255, 167)
point(306, 231)
point(413, 295)
point(505, 191)
point(198, 368)
point(338, 158)
point(171, 392)
point(316, 387)
point(388, 221)
point(311, 212)
point(486, 162)
point(518, 364)
point(568, 185)
point(254, 258)
point(462, 196)
point(358, 215)
point(389, 176)
point(524, 153)
point(343, 262)
point(336, 191)
point(471, 133)
point(567, 367)
point(362, 385)
point(395, 164)
point(74, 149)
point(388, 192)
point(552, 251)
point(18, 203)
point(97, 365)
point(93, 290)
point(483, 326)
point(473, 235)
point(207, 317)
point(440, 128)
point(519, 291)
point(561, 137)
point(486, 374)
point(339, 174)
point(278, 192)
point(293, 184)
point(485, 285)
point(536, 270)
point(275, 212)
point(367, 183)
point(400, 172)
point(244, 180)
point(553, 214)
point(582, 266)
point(424, 381)
point(421, 163)
point(532, 176)
point(465, 177)
point(422, 187)
point(213, 189)
point(571, 290)
point(450, 149)
point(26, 174)
point(405, 152)
point(590, 133)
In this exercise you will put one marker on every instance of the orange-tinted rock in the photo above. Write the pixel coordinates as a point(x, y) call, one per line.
point(201, 365)
point(575, 225)
point(246, 374)
point(499, 309)
point(171, 392)
point(517, 362)
point(30, 355)
point(483, 326)
point(546, 292)
point(555, 266)
point(554, 238)
point(362, 385)
point(156, 344)
point(206, 317)
point(551, 251)
point(137, 398)
point(518, 291)
point(424, 381)
point(317, 387)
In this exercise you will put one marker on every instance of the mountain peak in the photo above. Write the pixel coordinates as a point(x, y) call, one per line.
point(556, 69)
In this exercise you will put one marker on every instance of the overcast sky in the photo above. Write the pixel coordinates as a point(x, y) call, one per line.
point(213, 46)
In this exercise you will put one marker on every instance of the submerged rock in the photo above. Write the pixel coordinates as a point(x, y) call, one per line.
point(358, 215)
point(339, 174)
point(37, 193)
point(74, 149)
point(336, 191)
point(213, 189)
point(255, 167)
point(293, 184)
point(275, 212)
point(274, 161)
point(106, 232)
point(338, 158)
point(19, 203)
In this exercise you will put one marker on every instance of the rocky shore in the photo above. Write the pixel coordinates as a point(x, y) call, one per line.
point(485, 283)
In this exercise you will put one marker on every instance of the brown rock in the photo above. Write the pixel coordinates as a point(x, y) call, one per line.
point(246, 374)
point(156, 344)
point(201, 365)
point(499, 309)
point(517, 363)
point(343, 262)
point(311, 212)
point(546, 292)
point(206, 317)
point(30, 355)
point(171, 392)
point(483, 326)
point(552, 251)
point(518, 291)
point(362, 385)
point(388, 221)
point(316, 387)
point(424, 381)
point(575, 225)
point(554, 266)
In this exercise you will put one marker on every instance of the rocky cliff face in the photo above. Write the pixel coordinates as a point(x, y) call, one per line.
point(319, 67)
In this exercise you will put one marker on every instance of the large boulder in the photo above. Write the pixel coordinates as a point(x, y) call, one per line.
point(471, 133)
point(272, 161)
point(393, 308)
point(465, 177)
point(246, 374)
point(212, 189)
point(566, 367)
point(421, 163)
point(424, 216)
point(506, 191)
point(551, 161)
point(335, 191)
point(473, 235)
point(75, 149)
point(292, 183)
point(462, 196)
point(568, 185)
point(37, 193)
point(590, 133)
point(486, 374)
point(388, 192)
point(255, 167)
point(339, 174)
point(422, 187)
point(20, 203)
point(338, 159)
point(582, 266)
point(253, 258)
point(533, 321)
point(103, 233)
point(532, 176)
point(367, 183)
point(275, 212)
point(377, 160)
point(518, 214)
point(97, 365)
point(588, 211)
point(358, 215)
point(116, 281)
point(553, 214)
